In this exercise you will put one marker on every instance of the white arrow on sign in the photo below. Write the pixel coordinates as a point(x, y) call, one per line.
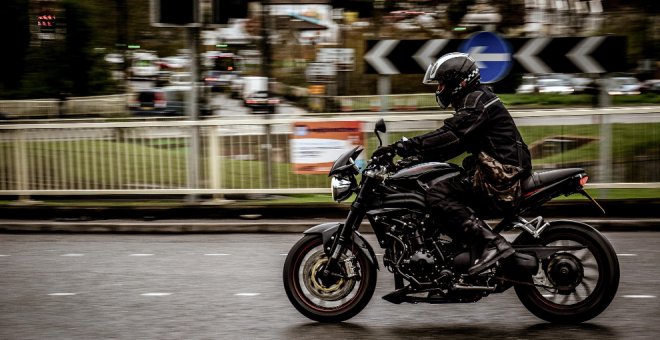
point(477, 53)
point(425, 56)
point(377, 57)
point(526, 56)
point(579, 55)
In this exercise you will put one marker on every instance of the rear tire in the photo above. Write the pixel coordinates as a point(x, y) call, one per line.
point(333, 300)
point(588, 288)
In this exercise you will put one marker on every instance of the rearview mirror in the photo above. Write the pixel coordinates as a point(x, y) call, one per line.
point(380, 126)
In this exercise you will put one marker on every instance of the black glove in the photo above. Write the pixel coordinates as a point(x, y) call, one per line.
point(385, 150)
point(405, 148)
point(402, 148)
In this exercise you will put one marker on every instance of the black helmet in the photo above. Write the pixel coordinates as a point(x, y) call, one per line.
point(459, 73)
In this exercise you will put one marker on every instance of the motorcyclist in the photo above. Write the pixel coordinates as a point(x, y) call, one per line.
point(498, 159)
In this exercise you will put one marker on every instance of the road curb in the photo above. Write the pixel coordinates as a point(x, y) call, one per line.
point(628, 215)
point(248, 226)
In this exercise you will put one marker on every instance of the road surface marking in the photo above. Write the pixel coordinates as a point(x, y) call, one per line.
point(284, 254)
point(1, 255)
point(639, 296)
point(74, 255)
point(626, 254)
point(61, 294)
point(247, 294)
point(216, 254)
point(156, 294)
point(141, 255)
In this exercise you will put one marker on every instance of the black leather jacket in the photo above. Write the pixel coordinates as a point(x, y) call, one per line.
point(481, 123)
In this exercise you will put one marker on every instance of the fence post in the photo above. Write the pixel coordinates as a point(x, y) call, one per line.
point(215, 172)
point(605, 153)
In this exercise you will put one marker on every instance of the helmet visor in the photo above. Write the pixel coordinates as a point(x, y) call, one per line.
point(430, 75)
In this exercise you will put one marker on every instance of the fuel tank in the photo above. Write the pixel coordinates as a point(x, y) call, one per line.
point(423, 176)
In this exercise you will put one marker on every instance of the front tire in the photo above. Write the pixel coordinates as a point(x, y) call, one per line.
point(584, 281)
point(322, 299)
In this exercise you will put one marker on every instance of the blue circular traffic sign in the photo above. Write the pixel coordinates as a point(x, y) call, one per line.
point(492, 53)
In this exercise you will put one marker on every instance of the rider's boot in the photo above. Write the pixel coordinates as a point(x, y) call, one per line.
point(496, 247)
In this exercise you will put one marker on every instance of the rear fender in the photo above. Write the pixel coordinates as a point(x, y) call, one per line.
point(327, 230)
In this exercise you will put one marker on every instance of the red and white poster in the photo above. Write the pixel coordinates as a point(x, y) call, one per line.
point(316, 145)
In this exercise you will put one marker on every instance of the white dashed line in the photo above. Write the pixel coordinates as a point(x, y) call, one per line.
point(626, 254)
point(61, 294)
point(247, 294)
point(156, 294)
point(639, 296)
point(284, 254)
point(141, 255)
point(216, 254)
point(1, 255)
point(73, 255)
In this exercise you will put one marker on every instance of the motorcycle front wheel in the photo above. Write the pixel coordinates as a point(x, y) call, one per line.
point(571, 286)
point(327, 299)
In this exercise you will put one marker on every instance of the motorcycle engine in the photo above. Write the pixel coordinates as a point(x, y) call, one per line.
point(415, 254)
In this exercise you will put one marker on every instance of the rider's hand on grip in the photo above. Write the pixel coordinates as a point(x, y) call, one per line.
point(388, 151)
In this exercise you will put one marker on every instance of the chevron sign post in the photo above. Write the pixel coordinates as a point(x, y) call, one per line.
point(599, 54)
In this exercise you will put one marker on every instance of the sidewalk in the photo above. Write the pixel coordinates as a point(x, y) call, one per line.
point(174, 217)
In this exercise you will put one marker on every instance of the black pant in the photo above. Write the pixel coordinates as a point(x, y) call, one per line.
point(452, 203)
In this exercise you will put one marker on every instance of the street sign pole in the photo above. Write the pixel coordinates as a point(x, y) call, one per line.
point(193, 114)
point(384, 89)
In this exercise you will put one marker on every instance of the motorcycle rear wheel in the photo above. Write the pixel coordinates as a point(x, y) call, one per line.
point(326, 299)
point(585, 281)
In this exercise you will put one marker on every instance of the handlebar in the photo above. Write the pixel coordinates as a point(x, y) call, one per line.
point(387, 161)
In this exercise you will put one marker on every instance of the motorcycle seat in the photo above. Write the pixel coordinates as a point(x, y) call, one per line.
point(540, 179)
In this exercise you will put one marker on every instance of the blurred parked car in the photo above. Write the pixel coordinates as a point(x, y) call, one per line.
point(650, 86)
point(163, 101)
point(623, 86)
point(555, 85)
point(582, 84)
point(528, 85)
point(145, 65)
point(218, 79)
point(114, 58)
point(261, 102)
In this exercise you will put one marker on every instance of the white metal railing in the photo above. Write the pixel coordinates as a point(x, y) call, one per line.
point(237, 156)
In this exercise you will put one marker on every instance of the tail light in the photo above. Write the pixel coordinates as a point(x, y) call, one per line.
point(584, 180)
point(159, 101)
point(273, 101)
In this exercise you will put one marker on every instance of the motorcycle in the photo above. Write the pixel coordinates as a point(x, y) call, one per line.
point(562, 271)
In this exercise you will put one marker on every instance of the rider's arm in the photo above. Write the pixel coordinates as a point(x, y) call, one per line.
point(439, 145)
point(449, 141)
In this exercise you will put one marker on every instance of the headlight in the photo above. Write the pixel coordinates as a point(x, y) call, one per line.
point(341, 189)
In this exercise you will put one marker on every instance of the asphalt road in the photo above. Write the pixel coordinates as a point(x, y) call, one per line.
point(228, 286)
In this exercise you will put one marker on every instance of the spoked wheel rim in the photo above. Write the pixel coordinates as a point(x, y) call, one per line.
point(573, 275)
point(321, 293)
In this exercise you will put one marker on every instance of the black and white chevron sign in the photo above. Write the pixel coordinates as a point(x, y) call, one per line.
point(599, 54)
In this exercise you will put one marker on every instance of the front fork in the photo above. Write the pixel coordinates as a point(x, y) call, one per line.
point(345, 233)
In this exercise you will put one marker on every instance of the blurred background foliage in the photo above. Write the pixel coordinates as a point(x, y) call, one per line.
point(73, 65)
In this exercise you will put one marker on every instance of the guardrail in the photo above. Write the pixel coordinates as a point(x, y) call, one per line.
point(239, 156)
